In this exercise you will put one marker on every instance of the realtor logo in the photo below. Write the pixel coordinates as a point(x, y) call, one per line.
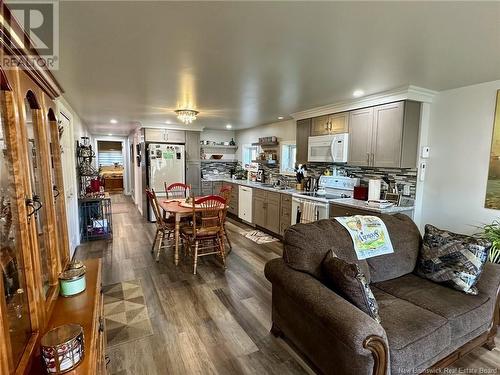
point(40, 22)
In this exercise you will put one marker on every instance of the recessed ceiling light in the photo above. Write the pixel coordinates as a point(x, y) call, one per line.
point(110, 134)
point(358, 93)
point(168, 122)
point(280, 117)
point(229, 126)
point(113, 121)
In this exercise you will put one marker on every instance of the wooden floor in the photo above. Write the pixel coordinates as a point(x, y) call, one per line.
point(213, 323)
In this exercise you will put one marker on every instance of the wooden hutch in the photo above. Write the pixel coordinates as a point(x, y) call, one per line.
point(34, 245)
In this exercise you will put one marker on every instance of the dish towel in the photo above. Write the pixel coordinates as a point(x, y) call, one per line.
point(308, 212)
point(369, 235)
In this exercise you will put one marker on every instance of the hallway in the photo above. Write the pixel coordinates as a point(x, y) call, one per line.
point(214, 322)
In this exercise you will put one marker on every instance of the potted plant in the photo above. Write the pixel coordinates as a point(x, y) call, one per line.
point(491, 232)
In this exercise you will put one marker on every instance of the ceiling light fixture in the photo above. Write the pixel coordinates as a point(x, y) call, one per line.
point(358, 93)
point(113, 121)
point(229, 126)
point(187, 116)
point(110, 135)
point(168, 122)
point(280, 117)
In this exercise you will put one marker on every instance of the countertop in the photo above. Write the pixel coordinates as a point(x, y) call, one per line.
point(348, 202)
point(356, 203)
point(256, 185)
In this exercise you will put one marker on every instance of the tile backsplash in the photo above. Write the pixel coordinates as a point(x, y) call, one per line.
point(217, 168)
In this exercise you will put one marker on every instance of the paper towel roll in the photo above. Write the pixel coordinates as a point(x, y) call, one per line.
point(374, 189)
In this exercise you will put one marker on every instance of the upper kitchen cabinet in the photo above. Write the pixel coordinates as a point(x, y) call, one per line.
point(330, 124)
point(360, 136)
point(192, 146)
point(164, 135)
point(302, 137)
point(385, 135)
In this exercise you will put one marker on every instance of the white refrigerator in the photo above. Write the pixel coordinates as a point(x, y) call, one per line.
point(165, 164)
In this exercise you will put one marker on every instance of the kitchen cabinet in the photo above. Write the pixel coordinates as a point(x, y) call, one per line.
point(193, 176)
point(385, 135)
point(330, 124)
point(245, 203)
point(206, 187)
point(285, 212)
point(337, 210)
point(266, 210)
point(259, 207)
point(233, 203)
point(273, 202)
point(303, 132)
point(164, 135)
point(216, 186)
point(192, 146)
point(360, 136)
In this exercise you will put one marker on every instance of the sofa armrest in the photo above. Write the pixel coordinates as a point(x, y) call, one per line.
point(489, 282)
point(344, 320)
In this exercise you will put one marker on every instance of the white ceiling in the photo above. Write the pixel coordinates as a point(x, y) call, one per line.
point(246, 63)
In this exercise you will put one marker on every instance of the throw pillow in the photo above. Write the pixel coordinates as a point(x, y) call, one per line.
point(349, 282)
point(453, 259)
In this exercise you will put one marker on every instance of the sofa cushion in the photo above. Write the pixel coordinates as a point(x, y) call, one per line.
point(452, 259)
point(305, 247)
point(415, 335)
point(348, 281)
point(465, 313)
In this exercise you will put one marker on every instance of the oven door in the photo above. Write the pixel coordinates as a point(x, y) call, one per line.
point(320, 148)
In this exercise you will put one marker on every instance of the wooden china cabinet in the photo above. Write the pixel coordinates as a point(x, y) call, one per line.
point(34, 245)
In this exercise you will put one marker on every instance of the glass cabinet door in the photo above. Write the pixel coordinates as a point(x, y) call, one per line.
point(11, 260)
point(39, 216)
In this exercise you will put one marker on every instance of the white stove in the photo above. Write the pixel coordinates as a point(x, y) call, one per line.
point(312, 206)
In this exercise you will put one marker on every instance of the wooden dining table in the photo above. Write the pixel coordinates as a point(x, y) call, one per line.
point(173, 206)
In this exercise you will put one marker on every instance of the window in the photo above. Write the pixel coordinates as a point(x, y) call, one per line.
point(288, 157)
point(109, 153)
point(248, 154)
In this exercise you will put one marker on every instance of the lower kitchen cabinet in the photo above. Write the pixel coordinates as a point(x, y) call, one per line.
point(337, 210)
point(233, 203)
point(206, 187)
point(285, 212)
point(216, 186)
point(267, 210)
point(273, 212)
point(259, 207)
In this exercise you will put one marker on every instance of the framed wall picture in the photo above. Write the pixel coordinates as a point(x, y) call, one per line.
point(493, 186)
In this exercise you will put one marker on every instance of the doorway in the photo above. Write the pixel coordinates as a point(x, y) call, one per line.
point(111, 161)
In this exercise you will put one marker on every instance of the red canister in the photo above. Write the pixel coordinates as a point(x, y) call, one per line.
point(361, 193)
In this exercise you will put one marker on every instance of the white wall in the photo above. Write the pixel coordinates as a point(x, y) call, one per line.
point(217, 135)
point(284, 130)
point(72, 133)
point(460, 133)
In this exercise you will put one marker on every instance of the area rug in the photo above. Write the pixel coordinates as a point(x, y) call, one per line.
point(259, 237)
point(125, 312)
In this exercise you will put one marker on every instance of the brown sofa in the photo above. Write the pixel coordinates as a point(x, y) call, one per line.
point(423, 324)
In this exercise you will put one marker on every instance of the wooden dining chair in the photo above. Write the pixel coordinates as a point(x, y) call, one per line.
point(164, 227)
point(206, 235)
point(177, 190)
point(225, 192)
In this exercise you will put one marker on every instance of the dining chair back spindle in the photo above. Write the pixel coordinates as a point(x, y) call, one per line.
point(208, 230)
point(177, 190)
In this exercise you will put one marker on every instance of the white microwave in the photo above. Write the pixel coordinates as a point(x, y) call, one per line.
point(328, 148)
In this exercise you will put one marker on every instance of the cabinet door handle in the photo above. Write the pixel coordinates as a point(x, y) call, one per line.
point(373, 159)
point(101, 324)
point(368, 158)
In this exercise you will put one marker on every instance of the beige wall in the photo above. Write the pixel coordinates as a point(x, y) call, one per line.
point(284, 130)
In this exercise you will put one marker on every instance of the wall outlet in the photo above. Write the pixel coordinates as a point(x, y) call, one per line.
point(423, 167)
point(425, 152)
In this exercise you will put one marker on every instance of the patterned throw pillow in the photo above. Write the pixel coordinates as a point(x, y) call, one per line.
point(348, 281)
point(453, 259)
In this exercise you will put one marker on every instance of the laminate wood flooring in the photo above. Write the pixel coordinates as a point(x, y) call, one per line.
point(214, 322)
